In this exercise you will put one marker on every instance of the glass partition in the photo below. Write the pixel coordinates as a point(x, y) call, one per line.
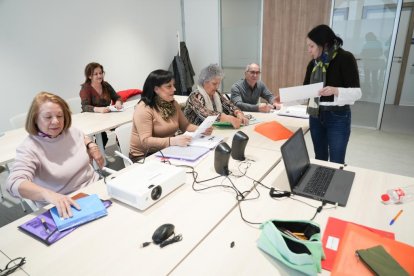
point(367, 28)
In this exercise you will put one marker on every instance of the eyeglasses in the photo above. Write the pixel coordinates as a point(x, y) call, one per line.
point(254, 72)
point(12, 266)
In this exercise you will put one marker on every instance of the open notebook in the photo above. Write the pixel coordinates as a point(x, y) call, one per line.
point(190, 153)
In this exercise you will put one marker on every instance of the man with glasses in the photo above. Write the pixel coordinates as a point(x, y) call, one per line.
point(246, 92)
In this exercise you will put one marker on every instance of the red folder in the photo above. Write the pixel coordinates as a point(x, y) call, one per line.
point(335, 229)
point(356, 237)
point(273, 130)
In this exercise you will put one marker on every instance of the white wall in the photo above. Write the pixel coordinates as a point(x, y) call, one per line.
point(45, 45)
point(202, 33)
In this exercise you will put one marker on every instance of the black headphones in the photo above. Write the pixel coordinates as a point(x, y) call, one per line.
point(276, 193)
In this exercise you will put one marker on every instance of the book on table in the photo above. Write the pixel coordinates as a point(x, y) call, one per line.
point(91, 208)
point(43, 227)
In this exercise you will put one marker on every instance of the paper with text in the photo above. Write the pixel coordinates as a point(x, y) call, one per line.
point(289, 94)
point(208, 122)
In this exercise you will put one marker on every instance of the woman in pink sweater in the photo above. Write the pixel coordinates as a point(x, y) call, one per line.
point(55, 159)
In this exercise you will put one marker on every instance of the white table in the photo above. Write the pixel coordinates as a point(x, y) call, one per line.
point(214, 256)
point(260, 141)
point(88, 122)
point(4, 260)
point(111, 245)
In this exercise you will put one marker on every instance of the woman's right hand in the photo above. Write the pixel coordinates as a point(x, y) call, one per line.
point(180, 140)
point(63, 203)
point(103, 109)
point(235, 122)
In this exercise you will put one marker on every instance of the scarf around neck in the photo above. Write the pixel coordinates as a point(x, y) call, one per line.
point(209, 103)
point(166, 109)
point(318, 74)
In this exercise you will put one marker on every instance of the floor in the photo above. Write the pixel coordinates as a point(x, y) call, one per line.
point(385, 151)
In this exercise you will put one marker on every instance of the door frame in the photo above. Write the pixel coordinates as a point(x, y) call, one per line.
point(407, 46)
point(389, 63)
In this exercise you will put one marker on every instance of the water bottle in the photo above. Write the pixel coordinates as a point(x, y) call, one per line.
point(398, 195)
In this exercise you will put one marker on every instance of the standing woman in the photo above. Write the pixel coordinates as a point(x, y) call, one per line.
point(330, 115)
point(96, 94)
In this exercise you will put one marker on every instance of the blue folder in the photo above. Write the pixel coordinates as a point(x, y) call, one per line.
point(91, 208)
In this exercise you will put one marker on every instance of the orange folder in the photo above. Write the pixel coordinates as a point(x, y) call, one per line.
point(273, 130)
point(335, 229)
point(357, 237)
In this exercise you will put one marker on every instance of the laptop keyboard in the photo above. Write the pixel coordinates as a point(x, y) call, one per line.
point(319, 182)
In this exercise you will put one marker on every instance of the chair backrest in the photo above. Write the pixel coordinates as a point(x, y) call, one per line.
point(123, 133)
point(74, 104)
point(18, 120)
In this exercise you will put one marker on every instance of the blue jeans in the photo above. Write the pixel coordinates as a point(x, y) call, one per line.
point(330, 133)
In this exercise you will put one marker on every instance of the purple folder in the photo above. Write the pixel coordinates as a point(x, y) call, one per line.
point(37, 230)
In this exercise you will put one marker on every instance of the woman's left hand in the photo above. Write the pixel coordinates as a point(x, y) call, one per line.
point(328, 91)
point(208, 131)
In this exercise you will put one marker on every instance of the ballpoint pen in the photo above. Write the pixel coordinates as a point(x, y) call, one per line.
point(45, 225)
point(396, 216)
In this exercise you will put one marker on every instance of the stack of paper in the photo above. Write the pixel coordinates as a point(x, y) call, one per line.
point(297, 111)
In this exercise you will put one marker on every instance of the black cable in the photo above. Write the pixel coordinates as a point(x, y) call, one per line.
point(175, 239)
point(318, 210)
point(101, 174)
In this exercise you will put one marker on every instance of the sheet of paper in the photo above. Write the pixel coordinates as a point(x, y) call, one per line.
point(114, 109)
point(206, 141)
point(298, 111)
point(208, 122)
point(289, 94)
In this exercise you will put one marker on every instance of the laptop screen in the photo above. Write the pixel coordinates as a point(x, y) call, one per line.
point(296, 158)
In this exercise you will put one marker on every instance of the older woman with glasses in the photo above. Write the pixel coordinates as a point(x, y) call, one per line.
point(207, 101)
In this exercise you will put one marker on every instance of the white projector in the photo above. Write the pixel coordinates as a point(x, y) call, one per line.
point(141, 185)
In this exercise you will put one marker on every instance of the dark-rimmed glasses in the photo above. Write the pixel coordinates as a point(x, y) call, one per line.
point(254, 72)
point(12, 266)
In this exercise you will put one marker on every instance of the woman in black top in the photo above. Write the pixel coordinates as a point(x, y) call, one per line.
point(330, 115)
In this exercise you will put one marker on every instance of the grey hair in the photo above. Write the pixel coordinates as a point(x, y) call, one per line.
point(248, 66)
point(210, 72)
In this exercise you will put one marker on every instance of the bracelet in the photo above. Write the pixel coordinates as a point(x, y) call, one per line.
point(90, 142)
point(169, 141)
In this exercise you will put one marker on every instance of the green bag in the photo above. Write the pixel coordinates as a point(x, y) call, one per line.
point(380, 262)
point(297, 244)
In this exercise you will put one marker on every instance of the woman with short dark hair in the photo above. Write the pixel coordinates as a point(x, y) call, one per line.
point(157, 118)
point(330, 115)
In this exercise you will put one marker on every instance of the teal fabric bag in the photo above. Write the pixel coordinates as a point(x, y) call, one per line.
point(297, 244)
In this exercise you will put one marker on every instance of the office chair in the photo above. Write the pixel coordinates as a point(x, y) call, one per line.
point(74, 105)
point(18, 120)
point(123, 133)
